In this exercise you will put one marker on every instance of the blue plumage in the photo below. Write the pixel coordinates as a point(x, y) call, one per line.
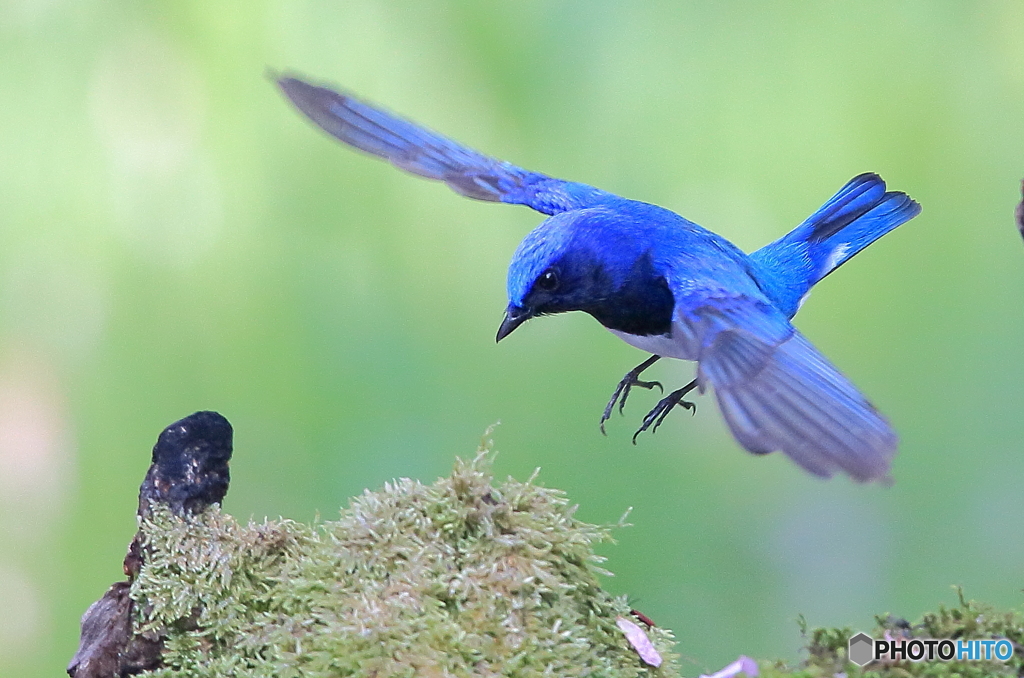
point(860, 213)
point(670, 287)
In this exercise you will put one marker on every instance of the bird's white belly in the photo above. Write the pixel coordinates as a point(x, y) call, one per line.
point(679, 344)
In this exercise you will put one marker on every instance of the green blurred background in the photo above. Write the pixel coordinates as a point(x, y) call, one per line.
point(175, 237)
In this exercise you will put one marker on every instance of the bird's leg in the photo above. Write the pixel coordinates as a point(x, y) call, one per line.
point(664, 406)
point(628, 382)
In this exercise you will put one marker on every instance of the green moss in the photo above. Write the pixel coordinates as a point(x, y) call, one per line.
point(968, 619)
point(461, 577)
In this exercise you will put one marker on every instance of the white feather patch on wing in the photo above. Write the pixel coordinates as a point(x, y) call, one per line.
point(837, 256)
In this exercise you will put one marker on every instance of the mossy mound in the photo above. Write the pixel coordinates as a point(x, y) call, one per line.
point(461, 577)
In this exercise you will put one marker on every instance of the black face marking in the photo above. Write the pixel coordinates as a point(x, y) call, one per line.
point(641, 303)
point(642, 306)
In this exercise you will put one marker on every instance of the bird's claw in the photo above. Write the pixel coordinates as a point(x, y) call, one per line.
point(642, 384)
point(621, 393)
point(664, 406)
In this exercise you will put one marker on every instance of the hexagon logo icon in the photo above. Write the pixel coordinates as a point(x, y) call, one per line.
point(861, 649)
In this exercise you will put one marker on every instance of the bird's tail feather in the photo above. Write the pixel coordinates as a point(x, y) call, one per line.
point(788, 397)
point(859, 214)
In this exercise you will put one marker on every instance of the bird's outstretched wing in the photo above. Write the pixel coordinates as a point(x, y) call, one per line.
point(777, 392)
point(428, 154)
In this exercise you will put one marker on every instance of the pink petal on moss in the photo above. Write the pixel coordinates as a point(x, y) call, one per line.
point(639, 641)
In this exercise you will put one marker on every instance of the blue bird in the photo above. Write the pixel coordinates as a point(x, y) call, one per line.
point(667, 286)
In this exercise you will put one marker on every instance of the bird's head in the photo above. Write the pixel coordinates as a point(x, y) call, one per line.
point(549, 272)
point(578, 261)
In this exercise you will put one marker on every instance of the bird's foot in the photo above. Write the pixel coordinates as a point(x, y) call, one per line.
point(664, 406)
point(631, 379)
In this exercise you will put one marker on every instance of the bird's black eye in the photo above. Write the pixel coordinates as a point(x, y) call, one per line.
point(548, 280)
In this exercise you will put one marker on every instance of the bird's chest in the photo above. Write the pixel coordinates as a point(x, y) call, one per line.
point(679, 343)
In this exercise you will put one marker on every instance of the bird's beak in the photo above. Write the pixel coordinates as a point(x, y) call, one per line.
point(514, 317)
